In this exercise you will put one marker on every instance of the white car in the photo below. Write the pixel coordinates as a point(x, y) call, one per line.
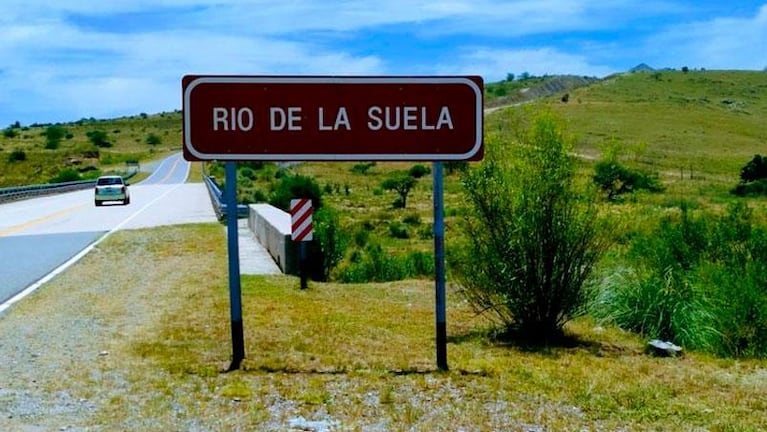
point(111, 188)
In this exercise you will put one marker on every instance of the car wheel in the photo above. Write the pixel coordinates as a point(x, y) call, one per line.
point(126, 201)
point(98, 203)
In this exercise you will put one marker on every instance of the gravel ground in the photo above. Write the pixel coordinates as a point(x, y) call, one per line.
point(62, 347)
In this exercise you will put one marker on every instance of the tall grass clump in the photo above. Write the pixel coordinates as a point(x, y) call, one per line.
point(698, 280)
point(532, 237)
point(375, 264)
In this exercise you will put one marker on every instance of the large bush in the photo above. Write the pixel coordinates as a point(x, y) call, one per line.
point(295, 186)
point(699, 280)
point(531, 238)
point(329, 244)
point(616, 179)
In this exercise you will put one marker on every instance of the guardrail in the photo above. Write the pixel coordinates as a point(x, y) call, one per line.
point(21, 192)
point(216, 197)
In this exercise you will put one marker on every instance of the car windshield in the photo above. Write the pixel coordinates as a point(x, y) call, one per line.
point(106, 181)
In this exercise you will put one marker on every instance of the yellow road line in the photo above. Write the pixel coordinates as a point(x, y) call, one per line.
point(39, 221)
point(170, 172)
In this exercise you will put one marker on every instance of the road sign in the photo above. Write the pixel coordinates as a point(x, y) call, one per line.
point(301, 219)
point(301, 118)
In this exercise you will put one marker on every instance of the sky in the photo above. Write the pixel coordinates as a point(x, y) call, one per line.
point(64, 60)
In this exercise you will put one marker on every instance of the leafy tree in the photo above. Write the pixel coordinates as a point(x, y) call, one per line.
point(400, 182)
point(531, 238)
point(509, 77)
point(98, 138)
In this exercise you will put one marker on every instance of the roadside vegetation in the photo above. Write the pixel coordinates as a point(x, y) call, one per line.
point(632, 209)
point(85, 149)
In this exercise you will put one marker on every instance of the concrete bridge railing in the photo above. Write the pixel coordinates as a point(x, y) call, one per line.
point(272, 229)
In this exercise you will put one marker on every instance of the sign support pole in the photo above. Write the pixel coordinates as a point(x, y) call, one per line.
point(302, 264)
point(439, 265)
point(235, 293)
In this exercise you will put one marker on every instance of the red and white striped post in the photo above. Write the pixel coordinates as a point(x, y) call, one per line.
point(301, 231)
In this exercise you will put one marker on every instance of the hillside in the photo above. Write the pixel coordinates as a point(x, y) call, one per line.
point(707, 122)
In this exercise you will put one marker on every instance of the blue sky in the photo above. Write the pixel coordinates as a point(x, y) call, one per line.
point(68, 59)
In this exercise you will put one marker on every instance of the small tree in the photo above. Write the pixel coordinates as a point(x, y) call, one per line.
point(400, 182)
point(531, 237)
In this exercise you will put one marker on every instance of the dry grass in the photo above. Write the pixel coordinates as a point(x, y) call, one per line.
point(353, 357)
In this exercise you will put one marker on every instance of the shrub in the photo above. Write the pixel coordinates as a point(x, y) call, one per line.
point(374, 264)
point(329, 244)
point(398, 230)
point(98, 138)
point(295, 186)
point(361, 236)
point(362, 168)
point(455, 166)
point(531, 239)
point(153, 139)
point(10, 132)
point(412, 219)
point(418, 171)
point(753, 178)
point(699, 281)
point(53, 136)
point(66, 175)
point(616, 179)
point(17, 156)
point(248, 173)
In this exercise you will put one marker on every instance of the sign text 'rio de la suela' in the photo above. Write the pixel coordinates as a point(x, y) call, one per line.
point(296, 118)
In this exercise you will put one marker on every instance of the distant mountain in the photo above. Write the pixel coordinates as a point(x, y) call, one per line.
point(641, 67)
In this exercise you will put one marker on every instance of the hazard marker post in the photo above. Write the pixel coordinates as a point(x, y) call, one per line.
point(301, 232)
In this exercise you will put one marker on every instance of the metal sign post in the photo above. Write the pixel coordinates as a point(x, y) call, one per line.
point(235, 293)
point(439, 266)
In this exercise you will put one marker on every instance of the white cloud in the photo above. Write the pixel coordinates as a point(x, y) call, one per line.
point(723, 43)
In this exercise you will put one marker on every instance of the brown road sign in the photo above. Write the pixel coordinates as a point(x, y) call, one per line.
point(295, 118)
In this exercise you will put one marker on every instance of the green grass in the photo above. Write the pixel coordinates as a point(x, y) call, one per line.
point(361, 355)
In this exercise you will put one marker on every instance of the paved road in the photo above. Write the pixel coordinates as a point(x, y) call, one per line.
point(40, 235)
